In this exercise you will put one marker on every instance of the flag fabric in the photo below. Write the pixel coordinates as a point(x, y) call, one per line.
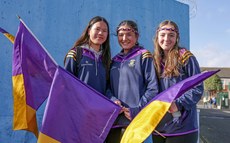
point(75, 112)
point(8, 35)
point(32, 74)
point(149, 117)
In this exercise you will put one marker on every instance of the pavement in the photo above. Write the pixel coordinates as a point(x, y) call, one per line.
point(205, 114)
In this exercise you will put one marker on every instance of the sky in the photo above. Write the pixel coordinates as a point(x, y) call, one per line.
point(210, 33)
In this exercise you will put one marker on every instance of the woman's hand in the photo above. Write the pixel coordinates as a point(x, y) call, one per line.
point(127, 113)
point(173, 108)
point(118, 102)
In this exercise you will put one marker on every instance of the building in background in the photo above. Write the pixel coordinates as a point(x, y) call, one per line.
point(223, 96)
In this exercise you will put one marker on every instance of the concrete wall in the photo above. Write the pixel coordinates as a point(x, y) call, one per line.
point(57, 24)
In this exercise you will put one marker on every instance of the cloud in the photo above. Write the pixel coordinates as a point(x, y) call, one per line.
point(212, 56)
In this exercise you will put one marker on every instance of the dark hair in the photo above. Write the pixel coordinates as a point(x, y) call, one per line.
point(131, 24)
point(85, 39)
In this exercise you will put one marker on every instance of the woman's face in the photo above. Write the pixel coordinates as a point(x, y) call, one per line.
point(127, 38)
point(167, 37)
point(98, 33)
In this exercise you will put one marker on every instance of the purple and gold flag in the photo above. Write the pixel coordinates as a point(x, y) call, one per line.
point(8, 35)
point(75, 112)
point(149, 117)
point(33, 71)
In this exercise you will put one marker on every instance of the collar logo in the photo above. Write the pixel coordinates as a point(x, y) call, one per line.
point(132, 63)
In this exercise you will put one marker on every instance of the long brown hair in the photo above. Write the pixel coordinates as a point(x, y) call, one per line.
point(172, 63)
point(85, 39)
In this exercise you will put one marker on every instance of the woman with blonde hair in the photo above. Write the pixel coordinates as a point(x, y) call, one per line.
point(173, 64)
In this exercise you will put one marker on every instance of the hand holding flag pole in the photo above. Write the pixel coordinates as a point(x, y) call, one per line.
point(149, 117)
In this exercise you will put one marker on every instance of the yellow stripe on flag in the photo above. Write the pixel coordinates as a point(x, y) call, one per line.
point(46, 139)
point(24, 115)
point(145, 122)
point(10, 37)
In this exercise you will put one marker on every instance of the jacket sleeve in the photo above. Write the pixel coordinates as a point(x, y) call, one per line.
point(150, 81)
point(190, 98)
point(109, 94)
point(70, 62)
point(109, 88)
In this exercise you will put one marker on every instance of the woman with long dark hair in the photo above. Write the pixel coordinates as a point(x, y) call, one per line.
point(90, 57)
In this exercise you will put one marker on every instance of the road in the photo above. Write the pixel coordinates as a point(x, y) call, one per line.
point(214, 126)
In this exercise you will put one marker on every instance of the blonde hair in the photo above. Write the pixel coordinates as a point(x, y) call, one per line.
point(172, 62)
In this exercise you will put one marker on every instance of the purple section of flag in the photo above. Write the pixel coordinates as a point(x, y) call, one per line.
point(180, 88)
point(32, 61)
point(3, 31)
point(76, 112)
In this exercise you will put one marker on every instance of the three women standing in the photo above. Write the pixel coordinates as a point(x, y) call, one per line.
point(133, 79)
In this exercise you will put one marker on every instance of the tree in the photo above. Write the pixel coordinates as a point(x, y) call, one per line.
point(213, 84)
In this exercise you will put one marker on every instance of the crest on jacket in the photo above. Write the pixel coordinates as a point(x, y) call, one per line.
point(132, 63)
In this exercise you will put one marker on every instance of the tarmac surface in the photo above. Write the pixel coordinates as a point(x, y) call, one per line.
point(214, 125)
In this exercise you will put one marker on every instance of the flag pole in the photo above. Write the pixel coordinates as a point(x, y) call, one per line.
point(18, 17)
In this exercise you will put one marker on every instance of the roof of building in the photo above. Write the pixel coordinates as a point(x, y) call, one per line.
point(223, 73)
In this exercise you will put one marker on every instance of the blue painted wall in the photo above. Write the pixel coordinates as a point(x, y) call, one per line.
point(57, 24)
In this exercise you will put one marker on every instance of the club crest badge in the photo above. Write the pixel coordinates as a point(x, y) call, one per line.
point(132, 63)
